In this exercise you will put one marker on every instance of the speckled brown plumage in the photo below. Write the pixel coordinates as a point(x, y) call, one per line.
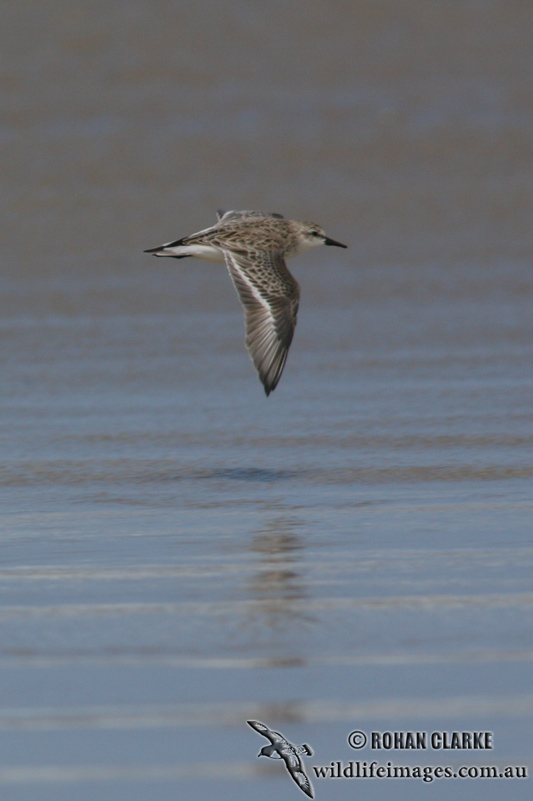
point(254, 246)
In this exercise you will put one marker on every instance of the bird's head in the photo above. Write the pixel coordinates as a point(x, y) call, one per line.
point(269, 751)
point(312, 235)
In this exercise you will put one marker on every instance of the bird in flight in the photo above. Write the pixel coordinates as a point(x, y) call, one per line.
point(254, 246)
point(280, 748)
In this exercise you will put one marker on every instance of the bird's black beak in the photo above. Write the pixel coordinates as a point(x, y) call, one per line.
point(328, 241)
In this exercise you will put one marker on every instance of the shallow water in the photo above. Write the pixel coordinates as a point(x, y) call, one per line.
point(179, 554)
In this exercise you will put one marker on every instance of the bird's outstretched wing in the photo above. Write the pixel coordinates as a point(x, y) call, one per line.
point(232, 215)
point(294, 766)
point(269, 295)
point(274, 736)
point(289, 754)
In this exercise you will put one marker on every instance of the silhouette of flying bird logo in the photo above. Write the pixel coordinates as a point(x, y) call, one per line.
point(280, 748)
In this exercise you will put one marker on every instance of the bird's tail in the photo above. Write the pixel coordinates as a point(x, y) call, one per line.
point(171, 249)
point(165, 252)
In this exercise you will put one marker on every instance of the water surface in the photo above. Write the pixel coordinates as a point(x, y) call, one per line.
point(179, 554)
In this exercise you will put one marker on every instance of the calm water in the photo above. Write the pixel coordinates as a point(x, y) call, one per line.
point(179, 554)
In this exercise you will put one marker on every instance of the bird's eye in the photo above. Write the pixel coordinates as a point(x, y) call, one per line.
point(315, 233)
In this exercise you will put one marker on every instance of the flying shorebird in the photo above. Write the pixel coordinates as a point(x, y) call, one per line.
point(280, 748)
point(254, 246)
